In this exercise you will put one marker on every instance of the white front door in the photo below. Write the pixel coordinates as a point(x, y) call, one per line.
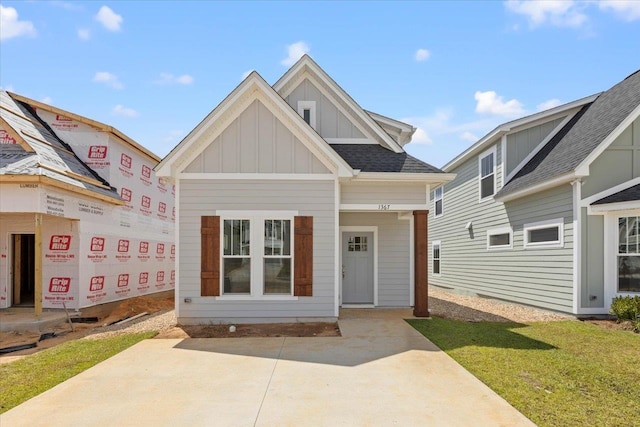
point(357, 267)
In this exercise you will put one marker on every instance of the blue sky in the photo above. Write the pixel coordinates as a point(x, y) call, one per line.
point(453, 69)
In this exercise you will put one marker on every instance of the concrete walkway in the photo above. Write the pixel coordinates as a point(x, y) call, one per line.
point(381, 372)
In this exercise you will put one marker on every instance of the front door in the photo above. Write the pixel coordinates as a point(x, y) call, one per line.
point(357, 267)
point(23, 269)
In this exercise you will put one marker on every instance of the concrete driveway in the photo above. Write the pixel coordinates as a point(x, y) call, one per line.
point(381, 372)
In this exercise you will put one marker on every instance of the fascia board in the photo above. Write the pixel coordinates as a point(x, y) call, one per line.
point(563, 179)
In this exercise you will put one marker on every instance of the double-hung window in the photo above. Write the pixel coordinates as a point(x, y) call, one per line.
point(435, 257)
point(487, 173)
point(257, 254)
point(438, 194)
point(628, 256)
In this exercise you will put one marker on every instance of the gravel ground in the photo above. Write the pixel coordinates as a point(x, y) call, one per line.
point(441, 303)
point(159, 322)
point(477, 309)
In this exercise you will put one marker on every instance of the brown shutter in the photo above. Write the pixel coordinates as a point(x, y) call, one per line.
point(421, 254)
point(210, 256)
point(303, 256)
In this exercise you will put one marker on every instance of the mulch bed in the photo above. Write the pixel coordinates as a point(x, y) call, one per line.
point(315, 329)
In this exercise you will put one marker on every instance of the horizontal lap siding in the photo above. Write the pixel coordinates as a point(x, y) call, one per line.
point(383, 193)
point(542, 277)
point(311, 198)
point(393, 257)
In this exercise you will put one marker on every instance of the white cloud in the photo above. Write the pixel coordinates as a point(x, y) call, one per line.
point(491, 103)
point(168, 79)
point(627, 10)
point(560, 13)
point(108, 79)
point(422, 55)
point(47, 100)
point(548, 104)
point(11, 26)
point(66, 5)
point(120, 110)
point(173, 136)
point(109, 19)
point(246, 73)
point(420, 136)
point(295, 51)
point(84, 34)
point(468, 136)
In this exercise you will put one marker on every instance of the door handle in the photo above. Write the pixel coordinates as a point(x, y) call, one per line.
point(343, 272)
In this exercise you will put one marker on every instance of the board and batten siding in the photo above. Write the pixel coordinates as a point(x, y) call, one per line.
point(205, 197)
point(330, 121)
point(540, 277)
point(256, 142)
point(619, 163)
point(393, 257)
point(521, 144)
point(383, 193)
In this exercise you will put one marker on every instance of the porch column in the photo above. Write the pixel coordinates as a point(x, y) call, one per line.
point(421, 251)
point(37, 297)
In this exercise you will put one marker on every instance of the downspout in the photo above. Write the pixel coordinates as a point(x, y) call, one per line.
point(577, 243)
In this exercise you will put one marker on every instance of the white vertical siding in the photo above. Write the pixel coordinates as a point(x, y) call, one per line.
point(330, 121)
point(393, 258)
point(204, 197)
point(256, 142)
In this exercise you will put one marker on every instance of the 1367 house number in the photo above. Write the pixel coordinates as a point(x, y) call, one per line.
point(384, 207)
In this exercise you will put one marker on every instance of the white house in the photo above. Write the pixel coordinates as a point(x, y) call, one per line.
point(292, 201)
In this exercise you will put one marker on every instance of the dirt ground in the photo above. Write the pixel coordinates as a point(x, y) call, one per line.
point(254, 330)
point(106, 313)
point(611, 324)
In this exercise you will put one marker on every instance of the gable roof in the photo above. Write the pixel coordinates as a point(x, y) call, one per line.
point(288, 81)
point(514, 125)
point(584, 136)
point(404, 130)
point(251, 88)
point(375, 158)
point(627, 195)
point(40, 155)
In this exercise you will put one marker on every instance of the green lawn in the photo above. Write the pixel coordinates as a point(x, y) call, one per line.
point(565, 373)
point(28, 377)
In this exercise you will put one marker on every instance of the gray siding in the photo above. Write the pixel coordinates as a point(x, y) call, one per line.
point(204, 197)
point(619, 163)
point(330, 121)
point(393, 258)
point(256, 142)
point(520, 144)
point(382, 192)
point(541, 277)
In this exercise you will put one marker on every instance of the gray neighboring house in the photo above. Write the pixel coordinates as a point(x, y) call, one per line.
point(292, 201)
point(545, 210)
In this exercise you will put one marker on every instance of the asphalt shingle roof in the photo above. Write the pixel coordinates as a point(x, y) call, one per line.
point(375, 158)
point(573, 143)
point(627, 195)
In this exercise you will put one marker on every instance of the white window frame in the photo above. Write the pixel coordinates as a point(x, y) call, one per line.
point(496, 231)
point(435, 200)
point(558, 222)
point(437, 243)
point(257, 256)
point(311, 106)
point(616, 254)
point(491, 151)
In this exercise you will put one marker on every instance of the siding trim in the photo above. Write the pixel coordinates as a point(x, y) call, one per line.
point(367, 229)
point(382, 207)
point(577, 245)
point(259, 176)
